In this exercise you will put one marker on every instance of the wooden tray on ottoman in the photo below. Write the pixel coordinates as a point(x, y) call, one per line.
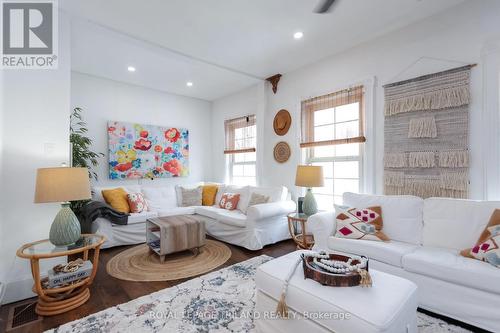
point(317, 274)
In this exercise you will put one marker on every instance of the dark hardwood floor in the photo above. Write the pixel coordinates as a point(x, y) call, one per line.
point(107, 291)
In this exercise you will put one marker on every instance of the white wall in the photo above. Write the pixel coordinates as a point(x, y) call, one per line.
point(246, 102)
point(35, 133)
point(104, 100)
point(457, 36)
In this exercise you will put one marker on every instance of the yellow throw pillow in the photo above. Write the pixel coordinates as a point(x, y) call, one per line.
point(117, 198)
point(209, 193)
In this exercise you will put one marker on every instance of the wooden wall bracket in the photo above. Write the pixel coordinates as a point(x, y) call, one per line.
point(274, 81)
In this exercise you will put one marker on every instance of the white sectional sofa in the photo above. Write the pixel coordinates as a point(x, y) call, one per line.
point(426, 237)
point(250, 227)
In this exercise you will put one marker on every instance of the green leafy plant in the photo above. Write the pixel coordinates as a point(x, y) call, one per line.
point(82, 155)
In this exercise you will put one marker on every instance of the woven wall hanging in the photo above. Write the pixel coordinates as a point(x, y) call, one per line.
point(282, 152)
point(426, 135)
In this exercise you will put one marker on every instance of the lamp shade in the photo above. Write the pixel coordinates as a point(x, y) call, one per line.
point(62, 184)
point(309, 176)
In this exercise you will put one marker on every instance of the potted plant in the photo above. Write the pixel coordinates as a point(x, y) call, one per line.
point(81, 152)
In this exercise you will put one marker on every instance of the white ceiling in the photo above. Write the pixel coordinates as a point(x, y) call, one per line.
point(223, 45)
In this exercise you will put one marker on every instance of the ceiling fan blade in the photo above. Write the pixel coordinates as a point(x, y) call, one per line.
point(324, 6)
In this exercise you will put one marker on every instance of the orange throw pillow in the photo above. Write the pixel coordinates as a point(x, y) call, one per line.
point(229, 201)
point(487, 247)
point(117, 199)
point(208, 195)
point(363, 223)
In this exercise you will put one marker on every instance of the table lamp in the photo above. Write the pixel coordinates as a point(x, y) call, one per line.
point(309, 176)
point(63, 184)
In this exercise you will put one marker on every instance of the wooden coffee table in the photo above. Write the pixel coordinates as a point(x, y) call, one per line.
point(53, 301)
point(170, 234)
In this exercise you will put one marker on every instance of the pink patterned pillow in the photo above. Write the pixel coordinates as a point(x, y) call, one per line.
point(229, 201)
point(137, 203)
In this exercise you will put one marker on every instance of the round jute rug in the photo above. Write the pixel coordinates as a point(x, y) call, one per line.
point(139, 264)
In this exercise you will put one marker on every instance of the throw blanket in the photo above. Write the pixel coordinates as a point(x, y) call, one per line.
point(94, 209)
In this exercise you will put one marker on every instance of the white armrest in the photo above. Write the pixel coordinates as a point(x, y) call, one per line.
point(322, 226)
point(263, 211)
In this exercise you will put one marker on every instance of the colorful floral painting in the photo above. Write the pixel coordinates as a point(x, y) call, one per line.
point(146, 151)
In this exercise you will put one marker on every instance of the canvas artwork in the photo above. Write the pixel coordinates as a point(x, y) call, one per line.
point(147, 151)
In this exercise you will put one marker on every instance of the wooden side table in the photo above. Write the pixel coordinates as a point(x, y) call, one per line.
point(53, 301)
point(301, 238)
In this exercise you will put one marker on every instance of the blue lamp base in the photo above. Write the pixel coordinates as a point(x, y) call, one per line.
point(309, 207)
point(65, 230)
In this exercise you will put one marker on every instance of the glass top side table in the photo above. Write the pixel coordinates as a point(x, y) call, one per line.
point(303, 240)
point(53, 301)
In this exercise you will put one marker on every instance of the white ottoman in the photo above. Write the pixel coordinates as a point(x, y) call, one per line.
point(389, 306)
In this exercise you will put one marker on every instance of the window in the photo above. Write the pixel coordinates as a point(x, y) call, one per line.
point(241, 139)
point(332, 134)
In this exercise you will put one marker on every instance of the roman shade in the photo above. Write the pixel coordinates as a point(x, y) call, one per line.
point(333, 100)
point(240, 135)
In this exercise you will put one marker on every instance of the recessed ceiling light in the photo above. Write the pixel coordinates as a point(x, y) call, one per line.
point(131, 68)
point(298, 35)
point(189, 84)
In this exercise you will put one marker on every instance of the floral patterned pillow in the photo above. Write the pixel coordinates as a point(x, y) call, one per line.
point(137, 203)
point(229, 201)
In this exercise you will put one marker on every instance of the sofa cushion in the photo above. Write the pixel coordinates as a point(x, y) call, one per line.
point(487, 246)
point(160, 198)
point(275, 194)
point(387, 252)
point(243, 191)
point(402, 214)
point(232, 217)
point(97, 190)
point(449, 266)
point(134, 218)
point(209, 211)
point(220, 191)
point(177, 211)
point(455, 224)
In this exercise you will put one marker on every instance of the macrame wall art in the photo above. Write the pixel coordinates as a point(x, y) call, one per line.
point(426, 135)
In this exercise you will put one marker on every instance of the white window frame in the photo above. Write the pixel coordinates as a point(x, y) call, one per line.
point(310, 159)
point(231, 162)
point(368, 183)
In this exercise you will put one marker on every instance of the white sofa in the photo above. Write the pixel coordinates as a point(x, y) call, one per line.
point(250, 227)
point(426, 237)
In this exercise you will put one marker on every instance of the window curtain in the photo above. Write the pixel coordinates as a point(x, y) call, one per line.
point(240, 135)
point(336, 99)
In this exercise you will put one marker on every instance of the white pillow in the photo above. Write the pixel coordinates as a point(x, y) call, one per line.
point(402, 214)
point(178, 191)
point(160, 198)
point(244, 195)
point(455, 223)
point(220, 192)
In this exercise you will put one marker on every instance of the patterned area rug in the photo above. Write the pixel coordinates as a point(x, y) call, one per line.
point(224, 298)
